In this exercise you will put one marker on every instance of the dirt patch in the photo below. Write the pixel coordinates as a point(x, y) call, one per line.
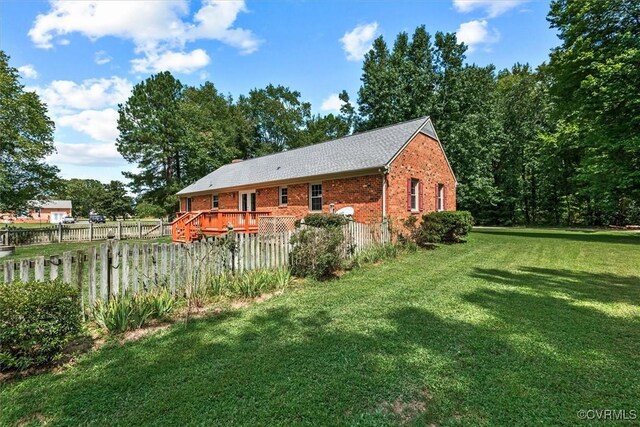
point(29, 419)
point(137, 334)
point(408, 410)
point(262, 298)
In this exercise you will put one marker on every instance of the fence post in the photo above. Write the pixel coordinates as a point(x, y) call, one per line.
point(139, 230)
point(79, 277)
point(90, 231)
point(109, 267)
point(161, 228)
point(119, 230)
point(59, 232)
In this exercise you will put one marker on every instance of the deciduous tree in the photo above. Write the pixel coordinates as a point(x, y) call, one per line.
point(26, 139)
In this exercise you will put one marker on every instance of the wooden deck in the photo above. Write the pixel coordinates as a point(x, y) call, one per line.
point(190, 226)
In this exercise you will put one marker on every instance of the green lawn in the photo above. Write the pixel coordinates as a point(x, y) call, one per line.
point(80, 222)
point(516, 327)
point(50, 249)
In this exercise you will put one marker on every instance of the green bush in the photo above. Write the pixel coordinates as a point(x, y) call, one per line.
point(443, 227)
point(251, 283)
point(37, 320)
point(125, 312)
point(322, 220)
point(317, 252)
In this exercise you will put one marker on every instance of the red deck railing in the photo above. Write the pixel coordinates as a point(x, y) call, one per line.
point(189, 226)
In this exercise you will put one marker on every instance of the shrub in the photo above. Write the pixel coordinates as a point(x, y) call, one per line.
point(317, 252)
point(37, 320)
point(443, 227)
point(322, 220)
point(124, 312)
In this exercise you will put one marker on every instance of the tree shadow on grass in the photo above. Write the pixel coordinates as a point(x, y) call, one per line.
point(630, 238)
point(282, 365)
point(580, 285)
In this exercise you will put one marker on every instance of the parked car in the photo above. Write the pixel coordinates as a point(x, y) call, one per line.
point(97, 219)
point(68, 220)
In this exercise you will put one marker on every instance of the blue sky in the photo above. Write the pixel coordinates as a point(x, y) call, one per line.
point(83, 57)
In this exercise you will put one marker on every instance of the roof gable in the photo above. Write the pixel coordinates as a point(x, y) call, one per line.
point(52, 204)
point(362, 151)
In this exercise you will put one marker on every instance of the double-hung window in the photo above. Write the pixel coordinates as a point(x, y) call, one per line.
point(440, 197)
point(415, 194)
point(315, 197)
point(215, 201)
point(284, 196)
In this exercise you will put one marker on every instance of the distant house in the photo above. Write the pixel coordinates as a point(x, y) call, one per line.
point(395, 171)
point(51, 211)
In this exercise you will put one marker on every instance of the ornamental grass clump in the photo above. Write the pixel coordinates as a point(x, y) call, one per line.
point(127, 312)
point(250, 284)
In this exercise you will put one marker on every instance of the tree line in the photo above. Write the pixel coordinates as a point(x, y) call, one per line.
point(559, 144)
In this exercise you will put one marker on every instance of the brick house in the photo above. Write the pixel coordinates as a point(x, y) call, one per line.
point(51, 211)
point(391, 172)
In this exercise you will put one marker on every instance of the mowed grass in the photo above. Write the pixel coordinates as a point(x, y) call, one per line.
point(51, 249)
point(515, 327)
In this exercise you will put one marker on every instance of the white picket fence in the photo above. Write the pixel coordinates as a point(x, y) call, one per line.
point(84, 232)
point(116, 267)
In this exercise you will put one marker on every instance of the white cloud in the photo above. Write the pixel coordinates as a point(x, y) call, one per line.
point(157, 28)
point(493, 8)
point(93, 154)
point(28, 71)
point(87, 107)
point(179, 62)
point(101, 125)
point(357, 42)
point(475, 33)
point(66, 96)
point(101, 57)
point(331, 103)
point(215, 21)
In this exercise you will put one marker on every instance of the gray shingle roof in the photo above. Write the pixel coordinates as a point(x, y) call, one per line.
point(366, 150)
point(53, 204)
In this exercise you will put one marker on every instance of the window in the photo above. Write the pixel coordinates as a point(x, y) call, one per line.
point(315, 197)
point(247, 201)
point(284, 195)
point(415, 194)
point(215, 201)
point(440, 197)
point(188, 204)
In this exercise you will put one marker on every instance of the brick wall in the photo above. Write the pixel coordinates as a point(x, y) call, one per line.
point(424, 160)
point(363, 193)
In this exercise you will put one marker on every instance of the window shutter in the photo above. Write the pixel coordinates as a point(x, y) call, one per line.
point(420, 196)
point(436, 198)
point(409, 194)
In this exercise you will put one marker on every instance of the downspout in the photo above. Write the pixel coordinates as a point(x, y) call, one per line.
point(384, 172)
